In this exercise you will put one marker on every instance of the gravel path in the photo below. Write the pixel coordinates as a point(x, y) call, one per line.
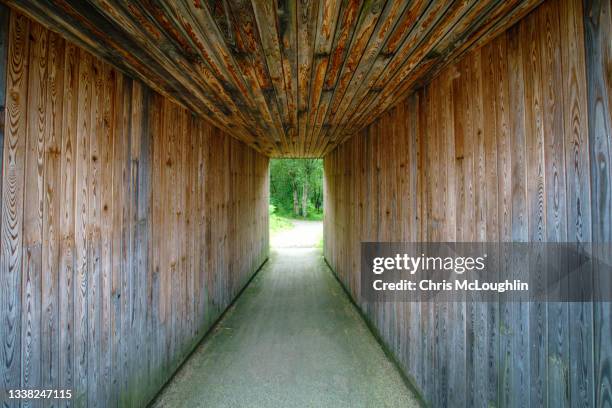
point(293, 339)
point(304, 234)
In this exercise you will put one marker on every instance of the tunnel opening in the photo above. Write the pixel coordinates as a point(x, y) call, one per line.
point(296, 203)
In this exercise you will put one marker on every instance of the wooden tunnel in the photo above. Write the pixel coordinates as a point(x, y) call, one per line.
point(135, 139)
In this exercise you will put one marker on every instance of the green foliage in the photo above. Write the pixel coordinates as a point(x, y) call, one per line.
point(277, 222)
point(320, 243)
point(296, 188)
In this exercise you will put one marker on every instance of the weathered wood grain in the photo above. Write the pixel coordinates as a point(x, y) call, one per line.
point(4, 32)
point(513, 145)
point(122, 213)
point(536, 200)
point(598, 53)
point(575, 126)
point(13, 173)
point(106, 208)
point(435, 60)
point(67, 263)
point(250, 57)
point(82, 238)
point(307, 24)
point(291, 78)
point(50, 334)
point(33, 210)
point(105, 158)
point(333, 57)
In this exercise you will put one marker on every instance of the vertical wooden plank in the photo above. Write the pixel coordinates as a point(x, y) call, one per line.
point(598, 51)
point(154, 294)
point(105, 147)
point(160, 191)
point(481, 158)
point(169, 261)
point(67, 221)
point(126, 251)
point(415, 341)
point(209, 216)
point(4, 39)
point(81, 324)
point(33, 212)
point(93, 233)
point(50, 350)
point(456, 343)
point(441, 222)
point(499, 200)
point(536, 202)
point(176, 134)
point(178, 218)
point(13, 173)
point(136, 246)
point(183, 182)
point(118, 177)
point(493, 75)
point(143, 236)
point(575, 125)
point(557, 375)
point(192, 203)
point(516, 324)
point(426, 207)
point(466, 155)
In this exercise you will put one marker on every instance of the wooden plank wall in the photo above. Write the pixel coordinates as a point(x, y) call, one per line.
point(598, 37)
point(511, 143)
point(128, 225)
point(4, 19)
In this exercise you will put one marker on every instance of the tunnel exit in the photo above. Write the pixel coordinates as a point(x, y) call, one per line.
point(296, 203)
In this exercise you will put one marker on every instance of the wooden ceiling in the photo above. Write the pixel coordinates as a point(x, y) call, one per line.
point(292, 78)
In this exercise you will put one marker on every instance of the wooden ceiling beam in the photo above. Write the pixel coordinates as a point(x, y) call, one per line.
point(439, 19)
point(504, 13)
point(253, 63)
point(368, 19)
point(199, 25)
point(392, 21)
point(267, 26)
point(307, 19)
point(326, 29)
point(348, 20)
point(291, 78)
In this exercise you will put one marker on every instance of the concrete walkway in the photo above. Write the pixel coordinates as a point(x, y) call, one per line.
point(293, 339)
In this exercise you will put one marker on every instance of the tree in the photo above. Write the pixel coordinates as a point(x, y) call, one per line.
point(296, 185)
point(309, 169)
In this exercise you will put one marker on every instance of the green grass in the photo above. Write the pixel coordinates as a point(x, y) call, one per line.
point(320, 243)
point(279, 223)
point(312, 216)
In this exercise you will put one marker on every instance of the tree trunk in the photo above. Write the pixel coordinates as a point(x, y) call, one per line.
point(316, 198)
point(305, 199)
point(296, 205)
